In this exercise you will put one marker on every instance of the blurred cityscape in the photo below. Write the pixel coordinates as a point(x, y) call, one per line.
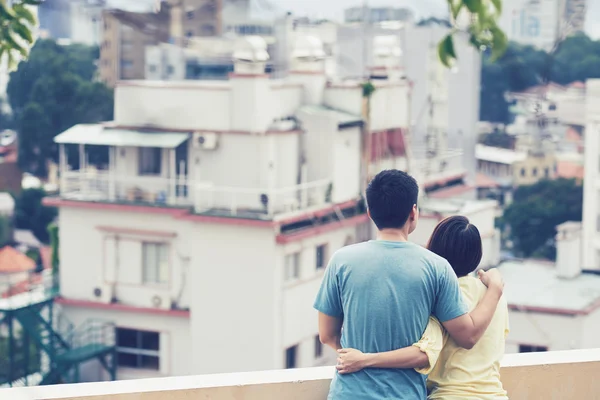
point(176, 174)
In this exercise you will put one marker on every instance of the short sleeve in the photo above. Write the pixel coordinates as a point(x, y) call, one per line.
point(329, 299)
point(431, 344)
point(449, 303)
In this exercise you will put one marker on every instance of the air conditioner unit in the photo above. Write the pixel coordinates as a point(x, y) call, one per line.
point(103, 294)
point(205, 140)
point(162, 301)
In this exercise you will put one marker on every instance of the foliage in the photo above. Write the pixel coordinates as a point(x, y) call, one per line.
point(16, 23)
point(536, 211)
point(32, 215)
point(577, 58)
point(49, 93)
point(482, 28)
point(53, 232)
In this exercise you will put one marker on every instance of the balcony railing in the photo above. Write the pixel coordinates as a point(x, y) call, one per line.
point(37, 288)
point(565, 375)
point(204, 197)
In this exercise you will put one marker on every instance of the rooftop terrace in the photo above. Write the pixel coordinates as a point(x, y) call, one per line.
point(567, 375)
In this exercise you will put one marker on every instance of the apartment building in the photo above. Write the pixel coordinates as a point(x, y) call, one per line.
point(125, 36)
point(591, 186)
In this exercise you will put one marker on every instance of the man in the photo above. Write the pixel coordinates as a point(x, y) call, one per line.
point(382, 293)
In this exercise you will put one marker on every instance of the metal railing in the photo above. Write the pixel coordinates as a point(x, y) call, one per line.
point(239, 201)
point(37, 288)
point(204, 197)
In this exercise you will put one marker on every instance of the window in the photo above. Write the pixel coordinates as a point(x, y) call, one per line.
point(292, 266)
point(522, 171)
point(155, 263)
point(149, 160)
point(189, 34)
point(189, 15)
point(321, 256)
point(534, 172)
point(170, 70)
point(138, 349)
point(290, 357)
point(524, 348)
point(318, 347)
point(125, 64)
point(547, 172)
point(152, 68)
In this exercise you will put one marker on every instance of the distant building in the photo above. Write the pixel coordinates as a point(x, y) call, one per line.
point(379, 14)
point(553, 306)
point(125, 36)
point(10, 173)
point(542, 23)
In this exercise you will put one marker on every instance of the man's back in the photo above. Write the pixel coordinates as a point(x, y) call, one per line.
point(385, 292)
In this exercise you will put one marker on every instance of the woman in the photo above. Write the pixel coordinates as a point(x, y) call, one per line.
point(454, 373)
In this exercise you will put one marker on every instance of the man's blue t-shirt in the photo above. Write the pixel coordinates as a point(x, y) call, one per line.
point(385, 292)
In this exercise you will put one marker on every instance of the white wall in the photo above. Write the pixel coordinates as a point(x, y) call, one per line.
point(591, 194)
point(88, 256)
point(189, 105)
point(235, 311)
point(175, 341)
point(344, 98)
point(346, 160)
point(299, 318)
point(557, 332)
point(389, 107)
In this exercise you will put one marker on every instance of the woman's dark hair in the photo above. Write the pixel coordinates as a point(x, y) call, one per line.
point(459, 242)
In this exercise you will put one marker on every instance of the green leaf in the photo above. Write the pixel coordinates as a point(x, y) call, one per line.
point(498, 6)
point(473, 5)
point(455, 7)
point(23, 32)
point(499, 43)
point(446, 51)
point(23, 12)
point(6, 12)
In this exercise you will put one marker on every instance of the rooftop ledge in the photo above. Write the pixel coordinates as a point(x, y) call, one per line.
point(561, 375)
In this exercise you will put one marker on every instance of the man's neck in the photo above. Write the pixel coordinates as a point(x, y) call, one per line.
point(393, 235)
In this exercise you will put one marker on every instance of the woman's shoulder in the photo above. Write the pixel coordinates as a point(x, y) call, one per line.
point(472, 289)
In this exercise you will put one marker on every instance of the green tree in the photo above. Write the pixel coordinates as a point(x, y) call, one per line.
point(31, 214)
point(16, 23)
point(498, 139)
point(536, 211)
point(49, 93)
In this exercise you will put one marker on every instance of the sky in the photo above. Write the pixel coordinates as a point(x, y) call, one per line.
point(333, 9)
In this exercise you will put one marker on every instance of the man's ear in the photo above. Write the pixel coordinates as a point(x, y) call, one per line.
point(414, 212)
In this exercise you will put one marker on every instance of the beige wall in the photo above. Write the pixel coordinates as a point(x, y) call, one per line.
point(531, 165)
point(568, 375)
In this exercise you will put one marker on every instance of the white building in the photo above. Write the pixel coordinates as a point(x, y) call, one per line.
point(591, 187)
point(553, 306)
point(539, 23)
point(217, 215)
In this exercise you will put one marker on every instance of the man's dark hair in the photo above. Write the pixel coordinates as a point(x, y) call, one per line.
point(391, 196)
point(459, 242)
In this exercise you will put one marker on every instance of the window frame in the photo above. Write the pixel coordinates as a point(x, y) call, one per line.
point(156, 169)
point(296, 258)
point(139, 351)
point(529, 348)
point(146, 280)
point(291, 357)
point(321, 260)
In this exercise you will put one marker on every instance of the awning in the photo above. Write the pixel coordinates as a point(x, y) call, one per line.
point(103, 136)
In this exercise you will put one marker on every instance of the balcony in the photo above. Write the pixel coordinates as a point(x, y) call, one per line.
point(203, 197)
point(566, 375)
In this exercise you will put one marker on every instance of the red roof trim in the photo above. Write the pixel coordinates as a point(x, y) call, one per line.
point(121, 307)
point(318, 213)
point(57, 202)
point(293, 237)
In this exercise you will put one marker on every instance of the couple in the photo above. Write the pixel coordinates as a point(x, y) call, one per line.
point(380, 303)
